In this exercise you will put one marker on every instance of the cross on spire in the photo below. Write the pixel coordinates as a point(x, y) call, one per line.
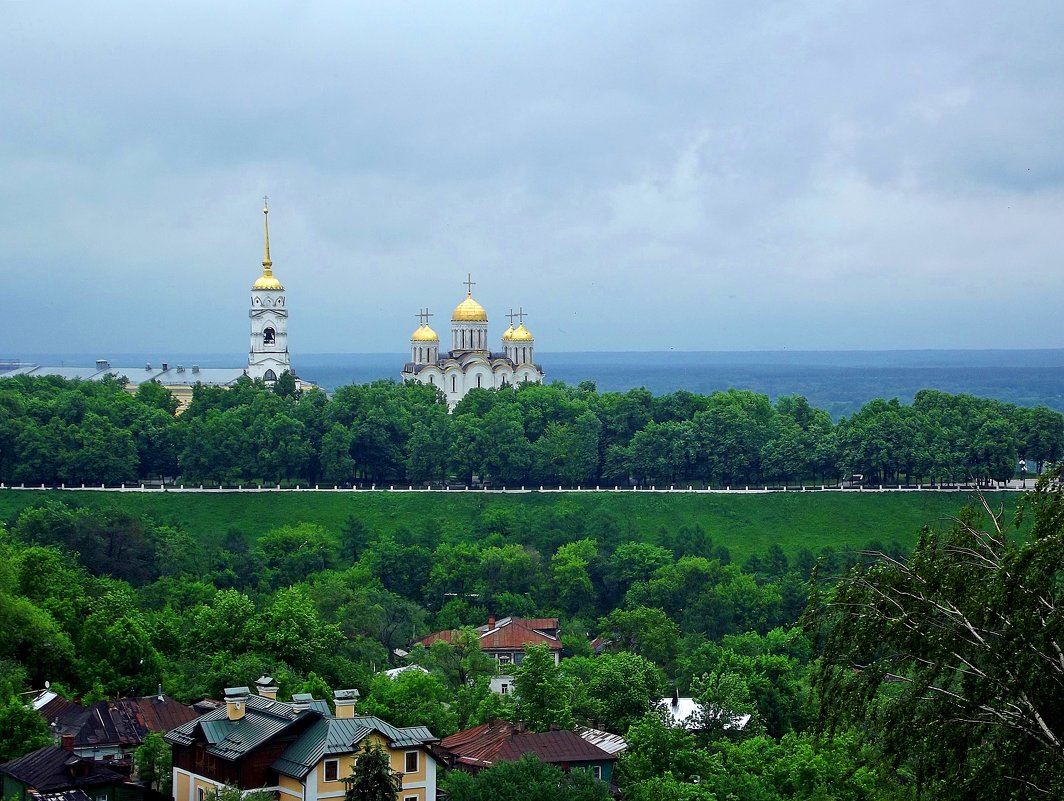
point(511, 315)
point(469, 283)
point(521, 314)
point(423, 316)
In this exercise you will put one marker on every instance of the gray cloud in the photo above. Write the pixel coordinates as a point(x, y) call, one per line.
point(637, 176)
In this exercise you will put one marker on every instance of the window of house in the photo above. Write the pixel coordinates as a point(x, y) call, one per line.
point(504, 689)
point(200, 794)
point(332, 770)
point(596, 771)
point(411, 798)
point(411, 762)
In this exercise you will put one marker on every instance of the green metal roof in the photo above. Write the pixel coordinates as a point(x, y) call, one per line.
point(263, 719)
point(231, 739)
point(342, 736)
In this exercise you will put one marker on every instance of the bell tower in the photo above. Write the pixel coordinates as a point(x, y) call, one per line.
point(268, 357)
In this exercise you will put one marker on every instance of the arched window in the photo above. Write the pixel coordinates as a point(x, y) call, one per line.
point(270, 376)
point(478, 380)
point(453, 384)
point(268, 337)
point(432, 380)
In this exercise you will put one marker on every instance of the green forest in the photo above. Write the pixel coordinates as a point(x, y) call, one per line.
point(884, 647)
point(54, 432)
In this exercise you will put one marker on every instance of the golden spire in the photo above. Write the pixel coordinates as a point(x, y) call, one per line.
point(267, 279)
point(267, 265)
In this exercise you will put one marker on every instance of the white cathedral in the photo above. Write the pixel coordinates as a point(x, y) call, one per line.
point(470, 363)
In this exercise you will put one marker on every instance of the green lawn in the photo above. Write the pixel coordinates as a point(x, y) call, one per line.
point(745, 524)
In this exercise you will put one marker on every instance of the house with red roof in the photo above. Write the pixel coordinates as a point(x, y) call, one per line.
point(505, 639)
point(482, 746)
point(111, 729)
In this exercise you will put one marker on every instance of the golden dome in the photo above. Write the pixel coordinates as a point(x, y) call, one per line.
point(508, 334)
point(267, 281)
point(470, 311)
point(424, 334)
point(521, 334)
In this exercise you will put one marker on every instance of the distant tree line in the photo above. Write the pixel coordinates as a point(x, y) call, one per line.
point(55, 431)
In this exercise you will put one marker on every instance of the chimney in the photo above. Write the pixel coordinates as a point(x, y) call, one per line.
point(159, 694)
point(165, 367)
point(68, 742)
point(266, 688)
point(491, 621)
point(235, 701)
point(302, 701)
point(345, 703)
point(675, 697)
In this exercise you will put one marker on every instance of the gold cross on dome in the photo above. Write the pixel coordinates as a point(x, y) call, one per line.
point(469, 283)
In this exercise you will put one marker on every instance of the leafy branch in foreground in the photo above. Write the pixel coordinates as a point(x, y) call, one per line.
point(953, 660)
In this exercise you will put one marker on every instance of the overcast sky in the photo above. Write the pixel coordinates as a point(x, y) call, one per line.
point(637, 176)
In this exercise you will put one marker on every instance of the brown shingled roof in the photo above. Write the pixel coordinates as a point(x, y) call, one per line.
point(119, 723)
point(543, 623)
point(52, 768)
point(509, 634)
point(501, 741)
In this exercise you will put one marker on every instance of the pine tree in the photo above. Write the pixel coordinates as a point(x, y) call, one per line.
point(372, 777)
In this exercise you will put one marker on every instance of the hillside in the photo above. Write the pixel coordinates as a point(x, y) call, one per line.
point(745, 524)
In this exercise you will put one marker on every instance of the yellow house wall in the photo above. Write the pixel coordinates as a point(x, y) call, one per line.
point(290, 788)
point(337, 788)
point(202, 784)
point(420, 784)
point(181, 786)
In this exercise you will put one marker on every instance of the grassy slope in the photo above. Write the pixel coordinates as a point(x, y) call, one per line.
point(746, 524)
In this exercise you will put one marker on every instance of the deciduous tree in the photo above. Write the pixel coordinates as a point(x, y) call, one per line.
point(953, 657)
